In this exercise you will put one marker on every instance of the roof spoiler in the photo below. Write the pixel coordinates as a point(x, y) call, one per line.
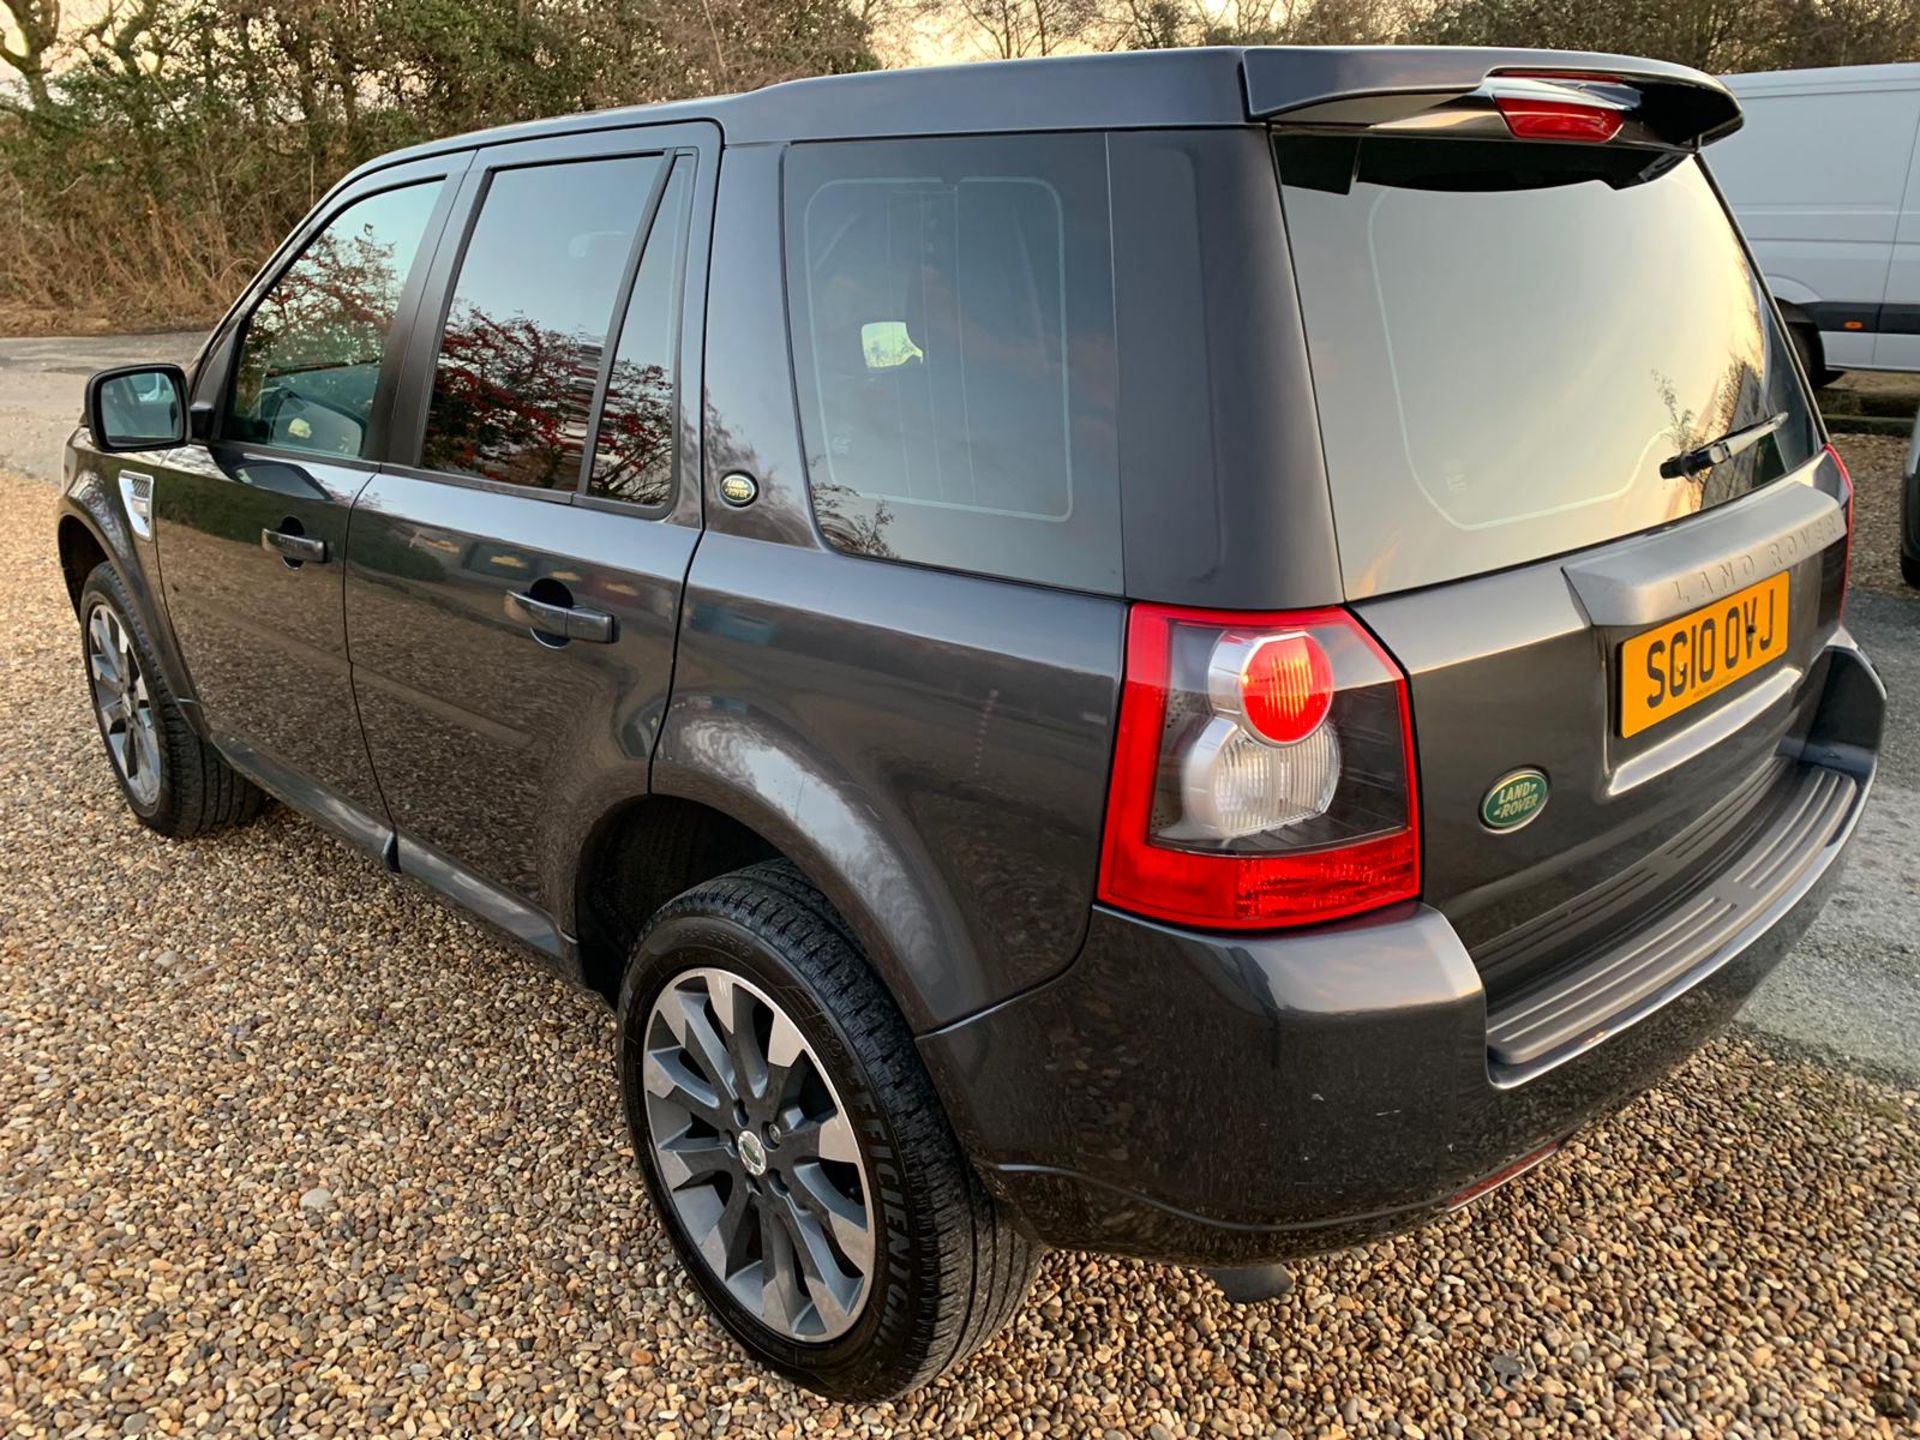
point(1458, 89)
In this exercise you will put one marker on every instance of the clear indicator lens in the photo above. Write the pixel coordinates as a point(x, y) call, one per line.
point(1234, 785)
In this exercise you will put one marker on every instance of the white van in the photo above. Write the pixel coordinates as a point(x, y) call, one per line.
point(1822, 179)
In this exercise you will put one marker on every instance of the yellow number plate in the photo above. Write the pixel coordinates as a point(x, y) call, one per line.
point(1681, 663)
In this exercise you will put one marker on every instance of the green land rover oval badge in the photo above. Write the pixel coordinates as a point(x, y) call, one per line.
point(1514, 800)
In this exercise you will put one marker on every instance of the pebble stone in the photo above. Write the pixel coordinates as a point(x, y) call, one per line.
point(200, 1041)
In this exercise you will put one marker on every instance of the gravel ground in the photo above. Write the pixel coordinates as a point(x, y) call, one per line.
point(285, 1148)
point(1875, 462)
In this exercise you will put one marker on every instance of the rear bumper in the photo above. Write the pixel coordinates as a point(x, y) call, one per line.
point(1227, 1101)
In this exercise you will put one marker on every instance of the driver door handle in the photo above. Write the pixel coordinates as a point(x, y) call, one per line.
point(593, 626)
point(294, 547)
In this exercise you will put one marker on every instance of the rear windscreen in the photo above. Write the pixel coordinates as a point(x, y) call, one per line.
point(1508, 340)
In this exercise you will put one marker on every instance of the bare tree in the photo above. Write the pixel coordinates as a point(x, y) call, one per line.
point(121, 33)
point(1162, 24)
point(1014, 29)
point(38, 22)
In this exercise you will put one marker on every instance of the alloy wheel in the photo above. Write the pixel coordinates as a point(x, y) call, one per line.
point(757, 1155)
point(125, 708)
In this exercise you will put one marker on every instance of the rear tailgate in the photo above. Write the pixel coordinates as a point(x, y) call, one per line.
point(1511, 342)
point(1523, 670)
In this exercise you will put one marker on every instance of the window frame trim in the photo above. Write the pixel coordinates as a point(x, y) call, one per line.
point(231, 339)
point(622, 313)
point(414, 396)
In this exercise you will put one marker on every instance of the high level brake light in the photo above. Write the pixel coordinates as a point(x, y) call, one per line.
point(1530, 119)
point(1263, 774)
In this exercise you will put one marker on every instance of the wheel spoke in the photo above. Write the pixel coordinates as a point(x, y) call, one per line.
point(735, 1005)
point(846, 1219)
point(686, 1016)
point(725, 1243)
point(781, 1300)
point(668, 1077)
point(102, 650)
point(828, 1137)
point(830, 1290)
point(788, 1060)
point(145, 750)
point(694, 1158)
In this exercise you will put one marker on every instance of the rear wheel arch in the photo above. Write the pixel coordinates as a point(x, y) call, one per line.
point(759, 791)
point(861, 860)
point(636, 857)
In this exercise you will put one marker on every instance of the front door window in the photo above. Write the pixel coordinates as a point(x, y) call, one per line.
point(310, 363)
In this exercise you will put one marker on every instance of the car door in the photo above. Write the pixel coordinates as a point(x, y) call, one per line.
point(251, 525)
point(514, 572)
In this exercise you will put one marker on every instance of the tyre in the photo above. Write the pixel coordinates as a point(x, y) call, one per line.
point(795, 1149)
point(174, 781)
point(1910, 569)
point(1806, 344)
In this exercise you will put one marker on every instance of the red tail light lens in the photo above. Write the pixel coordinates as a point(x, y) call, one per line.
point(1282, 685)
point(1559, 120)
point(1263, 773)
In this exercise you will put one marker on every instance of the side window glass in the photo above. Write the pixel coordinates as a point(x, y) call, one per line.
point(633, 457)
point(520, 355)
point(310, 362)
point(953, 341)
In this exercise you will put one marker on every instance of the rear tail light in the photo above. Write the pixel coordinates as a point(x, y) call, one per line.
point(1530, 119)
point(1846, 568)
point(1263, 773)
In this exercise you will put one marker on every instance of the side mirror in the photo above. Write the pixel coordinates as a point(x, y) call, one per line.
point(138, 407)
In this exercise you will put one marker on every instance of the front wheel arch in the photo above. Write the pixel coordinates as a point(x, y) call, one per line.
point(80, 552)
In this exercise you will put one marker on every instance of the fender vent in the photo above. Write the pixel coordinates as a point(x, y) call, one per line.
point(136, 494)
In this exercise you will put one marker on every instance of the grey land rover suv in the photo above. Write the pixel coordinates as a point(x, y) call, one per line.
point(1197, 655)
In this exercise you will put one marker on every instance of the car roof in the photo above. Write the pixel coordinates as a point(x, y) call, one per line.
point(1145, 89)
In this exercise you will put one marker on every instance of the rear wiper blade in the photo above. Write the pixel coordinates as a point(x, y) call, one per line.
point(1718, 452)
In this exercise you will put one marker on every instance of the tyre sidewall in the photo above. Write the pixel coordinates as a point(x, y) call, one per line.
point(855, 1363)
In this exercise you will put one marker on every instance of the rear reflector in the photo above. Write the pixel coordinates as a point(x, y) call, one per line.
point(1529, 119)
point(1846, 478)
point(1263, 772)
point(1500, 1177)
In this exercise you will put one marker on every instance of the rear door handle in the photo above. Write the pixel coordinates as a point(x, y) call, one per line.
point(294, 547)
point(593, 626)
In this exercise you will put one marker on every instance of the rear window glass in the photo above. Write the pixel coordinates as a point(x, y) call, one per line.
point(1508, 340)
point(953, 338)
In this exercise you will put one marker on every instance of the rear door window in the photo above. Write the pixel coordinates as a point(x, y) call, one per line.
point(953, 339)
point(1508, 340)
point(526, 330)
